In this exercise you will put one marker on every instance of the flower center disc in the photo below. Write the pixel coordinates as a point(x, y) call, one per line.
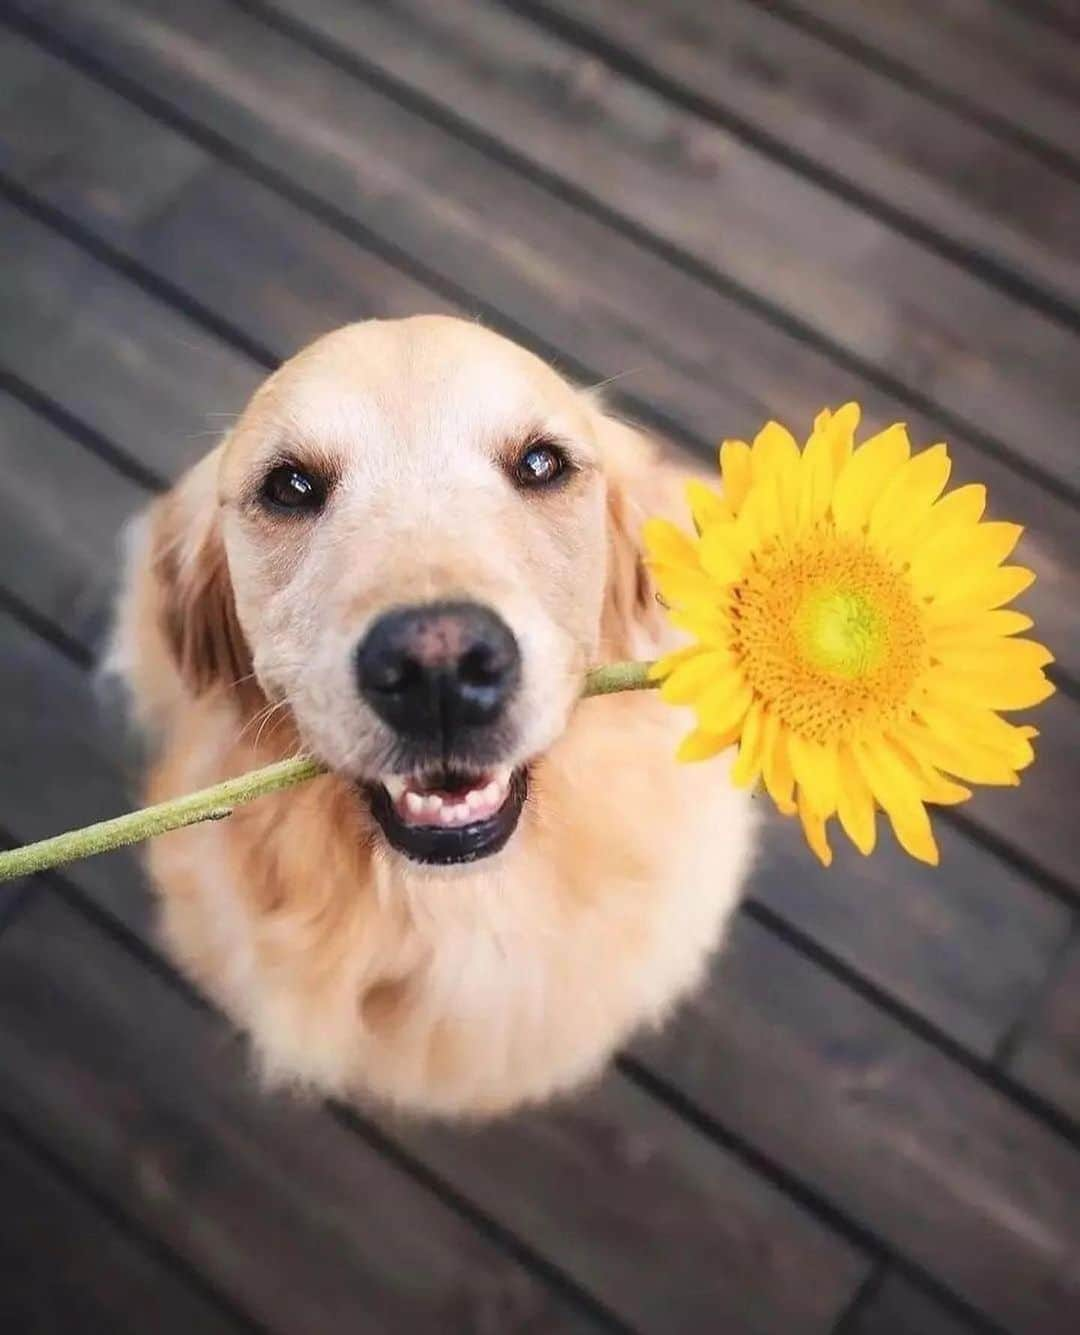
point(830, 636)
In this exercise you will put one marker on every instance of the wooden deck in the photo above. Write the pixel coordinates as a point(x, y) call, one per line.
point(869, 1123)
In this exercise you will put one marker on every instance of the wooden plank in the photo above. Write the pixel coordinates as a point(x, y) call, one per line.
point(868, 290)
point(67, 1267)
point(946, 1170)
point(499, 233)
point(1033, 818)
point(73, 316)
point(966, 944)
point(256, 260)
point(1047, 1056)
point(965, 948)
point(870, 135)
point(1005, 67)
point(297, 1220)
point(734, 1271)
point(63, 767)
point(1060, 15)
point(898, 1307)
point(61, 512)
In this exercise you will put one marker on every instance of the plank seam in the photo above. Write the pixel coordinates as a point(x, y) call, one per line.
point(479, 1218)
point(1007, 1045)
point(58, 416)
point(443, 118)
point(340, 222)
point(847, 1322)
point(858, 1234)
point(148, 957)
point(144, 1239)
point(900, 72)
point(1049, 18)
point(409, 264)
point(983, 1069)
point(980, 263)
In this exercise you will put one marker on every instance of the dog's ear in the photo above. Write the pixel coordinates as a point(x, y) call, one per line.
point(192, 594)
point(639, 484)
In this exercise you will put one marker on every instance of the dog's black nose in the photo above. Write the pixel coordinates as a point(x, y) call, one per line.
point(437, 670)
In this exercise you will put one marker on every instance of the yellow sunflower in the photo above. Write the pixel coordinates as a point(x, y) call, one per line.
point(850, 630)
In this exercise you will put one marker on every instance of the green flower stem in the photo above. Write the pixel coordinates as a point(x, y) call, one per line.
point(222, 799)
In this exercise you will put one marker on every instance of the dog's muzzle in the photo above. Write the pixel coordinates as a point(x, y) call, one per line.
point(441, 676)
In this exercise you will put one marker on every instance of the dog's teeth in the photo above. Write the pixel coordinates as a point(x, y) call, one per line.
point(432, 803)
point(493, 793)
point(477, 797)
point(395, 787)
point(414, 803)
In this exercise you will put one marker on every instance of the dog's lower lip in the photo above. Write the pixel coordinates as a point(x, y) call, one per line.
point(427, 836)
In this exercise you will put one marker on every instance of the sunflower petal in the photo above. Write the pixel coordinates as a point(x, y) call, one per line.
point(679, 586)
point(701, 745)
point(842, 427)
point(1003, 688)
point(747, 766)
point(814, 767)
point(969, 760)
point(855, 804)
point(663, 667)
point(905, 502)
point(691, 679)
point(865, 476)
point(814, 829)
point(735, 471)
point(776, 765)
point(896, 788)
point(724, 704)
point(723, 552)
point(706, 506)
point(668, 543)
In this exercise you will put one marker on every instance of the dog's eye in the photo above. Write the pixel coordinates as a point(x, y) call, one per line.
point(540, 463)
point(290, 488)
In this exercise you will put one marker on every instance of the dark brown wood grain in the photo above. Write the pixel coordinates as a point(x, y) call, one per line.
point(989, 57)
point(1047, 1055)
point(898, 1307)
point(951, 1173)
point(835, 268)
point(917, 161)
point(295, 1218)
point(500, 233)
point(67, 1269)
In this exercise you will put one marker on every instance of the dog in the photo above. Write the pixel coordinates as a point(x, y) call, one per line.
point(402, 559)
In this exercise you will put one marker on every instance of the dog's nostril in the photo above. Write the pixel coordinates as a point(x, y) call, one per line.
point(482, 666)
point(433, 670)
point(391, 673)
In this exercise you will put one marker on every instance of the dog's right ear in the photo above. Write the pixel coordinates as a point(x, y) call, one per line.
point(190, 586)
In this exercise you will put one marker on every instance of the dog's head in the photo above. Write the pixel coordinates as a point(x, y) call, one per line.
point(415, 540)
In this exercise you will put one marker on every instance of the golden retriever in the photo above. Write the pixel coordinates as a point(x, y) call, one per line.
point(402, 559)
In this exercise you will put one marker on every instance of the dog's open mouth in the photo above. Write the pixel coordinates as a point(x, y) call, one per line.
point(449, 816)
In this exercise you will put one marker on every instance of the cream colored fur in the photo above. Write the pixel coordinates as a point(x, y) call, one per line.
point(464, 990)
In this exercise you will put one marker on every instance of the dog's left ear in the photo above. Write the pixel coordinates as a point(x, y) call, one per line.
point(194, 603)
point(639, 484)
